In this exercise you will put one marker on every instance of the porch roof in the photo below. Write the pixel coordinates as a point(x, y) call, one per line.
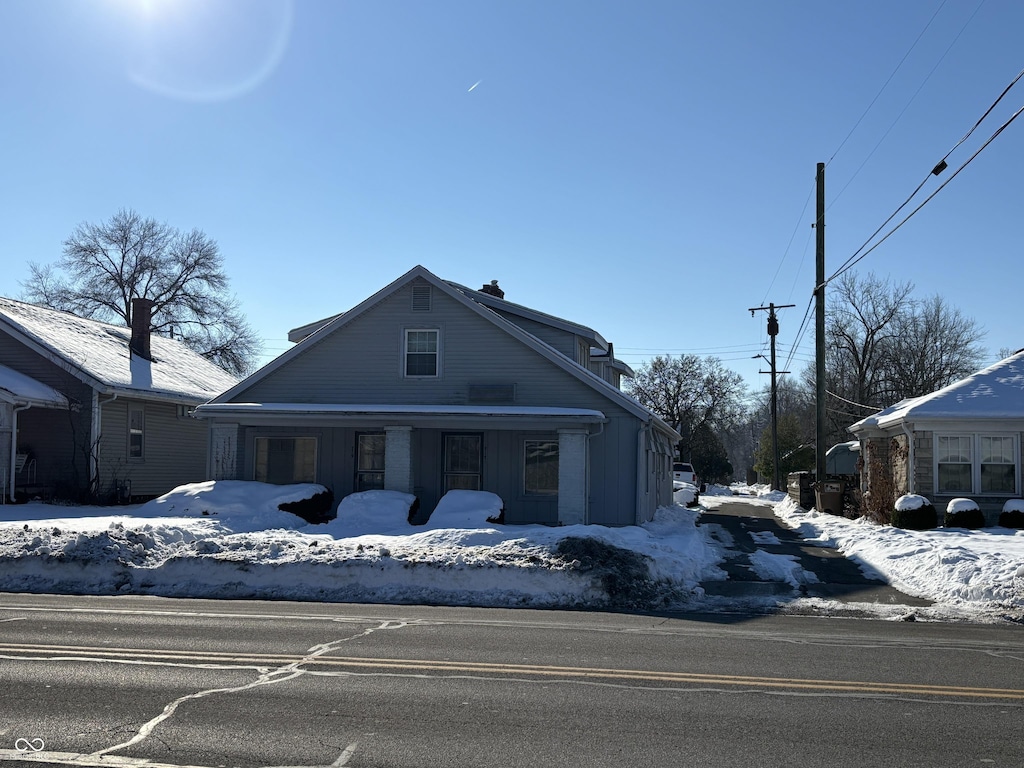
point(18, 389)
point(412, 413)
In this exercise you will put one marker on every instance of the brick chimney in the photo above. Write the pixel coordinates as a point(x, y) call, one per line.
point(492, 289)
point(142, 312)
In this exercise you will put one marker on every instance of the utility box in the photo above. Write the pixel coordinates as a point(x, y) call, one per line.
point(829, 496)
point(800, 487)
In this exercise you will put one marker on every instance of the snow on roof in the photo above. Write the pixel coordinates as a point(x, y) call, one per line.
point(996, 392)
point(18, 388)
point(99, 352)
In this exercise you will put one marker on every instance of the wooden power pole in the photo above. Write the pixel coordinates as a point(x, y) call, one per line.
point(819, 329)
point(773, 331)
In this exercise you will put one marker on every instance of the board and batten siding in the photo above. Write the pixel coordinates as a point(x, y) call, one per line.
point(174, 448)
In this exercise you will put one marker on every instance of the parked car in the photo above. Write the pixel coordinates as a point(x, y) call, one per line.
point(683, 472)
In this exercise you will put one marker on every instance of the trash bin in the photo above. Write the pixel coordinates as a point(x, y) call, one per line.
point(828, 496)
point(800, 487)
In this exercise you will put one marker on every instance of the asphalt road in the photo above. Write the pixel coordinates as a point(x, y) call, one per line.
point(121, 681)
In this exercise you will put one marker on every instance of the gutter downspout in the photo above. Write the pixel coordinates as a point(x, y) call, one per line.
point(912, 466)
point(641, 475)
point(94, 437)
point(14, 444)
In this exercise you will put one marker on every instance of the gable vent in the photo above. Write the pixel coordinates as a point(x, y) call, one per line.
point(491, 394)
point(421, 296)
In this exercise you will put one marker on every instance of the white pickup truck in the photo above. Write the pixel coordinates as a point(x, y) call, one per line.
point(683, 472)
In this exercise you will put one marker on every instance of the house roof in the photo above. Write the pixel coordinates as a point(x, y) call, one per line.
point(500, 305)
point(18, 389)
point(460, 294)
point(97, 353)
point(492, 302)
point(996, 392)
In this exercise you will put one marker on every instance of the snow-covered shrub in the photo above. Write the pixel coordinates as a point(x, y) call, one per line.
point(914, 513)
point(964, 513)
point(1012, 515)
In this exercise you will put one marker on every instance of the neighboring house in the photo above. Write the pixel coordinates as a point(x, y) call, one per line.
point(429, 386)
point(93, 409)
point(962, 441)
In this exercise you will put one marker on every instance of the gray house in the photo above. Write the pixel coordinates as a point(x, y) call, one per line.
point(91, 409)
point(429, 386)
point(963, 441)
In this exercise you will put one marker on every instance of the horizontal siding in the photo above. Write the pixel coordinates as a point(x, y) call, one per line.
point(174, 450)
point(563, 341)
point(362, 363)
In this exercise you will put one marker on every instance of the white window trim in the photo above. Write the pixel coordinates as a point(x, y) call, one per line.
point(142, 433)
point(976, 463)
point(405, 354)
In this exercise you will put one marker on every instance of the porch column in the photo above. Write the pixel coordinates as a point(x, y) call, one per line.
point(223, 461)
point(398, 459)
point(7, 450)
point(573, 463)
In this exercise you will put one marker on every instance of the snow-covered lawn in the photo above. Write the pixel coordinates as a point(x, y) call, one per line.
point(229, 539)
point(969, 571)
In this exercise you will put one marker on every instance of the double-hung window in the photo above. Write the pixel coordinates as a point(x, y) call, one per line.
point(422, 352)
point(997, 455)
point(136, 433)
point(977, 464)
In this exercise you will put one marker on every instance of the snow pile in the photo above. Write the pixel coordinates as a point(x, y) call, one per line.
point(229, 539)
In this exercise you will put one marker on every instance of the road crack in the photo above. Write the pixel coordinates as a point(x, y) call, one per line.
point(271, 677)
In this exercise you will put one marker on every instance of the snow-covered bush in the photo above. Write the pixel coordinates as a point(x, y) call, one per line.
point(963, 513)
point(914, 513)
point(1012, 515)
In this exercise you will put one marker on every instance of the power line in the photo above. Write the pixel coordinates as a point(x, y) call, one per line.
point(859, 405)
point(886, 85)
point(851, 262)
point(911, 99)
point(939, 168)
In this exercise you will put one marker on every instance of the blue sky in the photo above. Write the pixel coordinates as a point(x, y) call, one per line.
point(645, 168)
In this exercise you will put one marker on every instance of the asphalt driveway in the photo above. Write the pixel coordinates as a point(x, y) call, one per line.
point(767, 559)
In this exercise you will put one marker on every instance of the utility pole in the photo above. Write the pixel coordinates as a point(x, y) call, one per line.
point(773, 331)
point(819, 329)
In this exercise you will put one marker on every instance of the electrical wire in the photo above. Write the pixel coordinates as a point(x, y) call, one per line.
point(859, 405)
point(851, 262)
point(939, 168)
point(910, 100)
point(886, 83)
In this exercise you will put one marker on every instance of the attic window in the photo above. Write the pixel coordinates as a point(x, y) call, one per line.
point(421, 297)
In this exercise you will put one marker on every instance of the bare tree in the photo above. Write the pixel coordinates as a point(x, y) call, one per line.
point(104, 266)
point(933, 346)
point(689, 392)
point(882, 345)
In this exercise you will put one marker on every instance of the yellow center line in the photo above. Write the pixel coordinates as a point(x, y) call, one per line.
point(536, 670)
